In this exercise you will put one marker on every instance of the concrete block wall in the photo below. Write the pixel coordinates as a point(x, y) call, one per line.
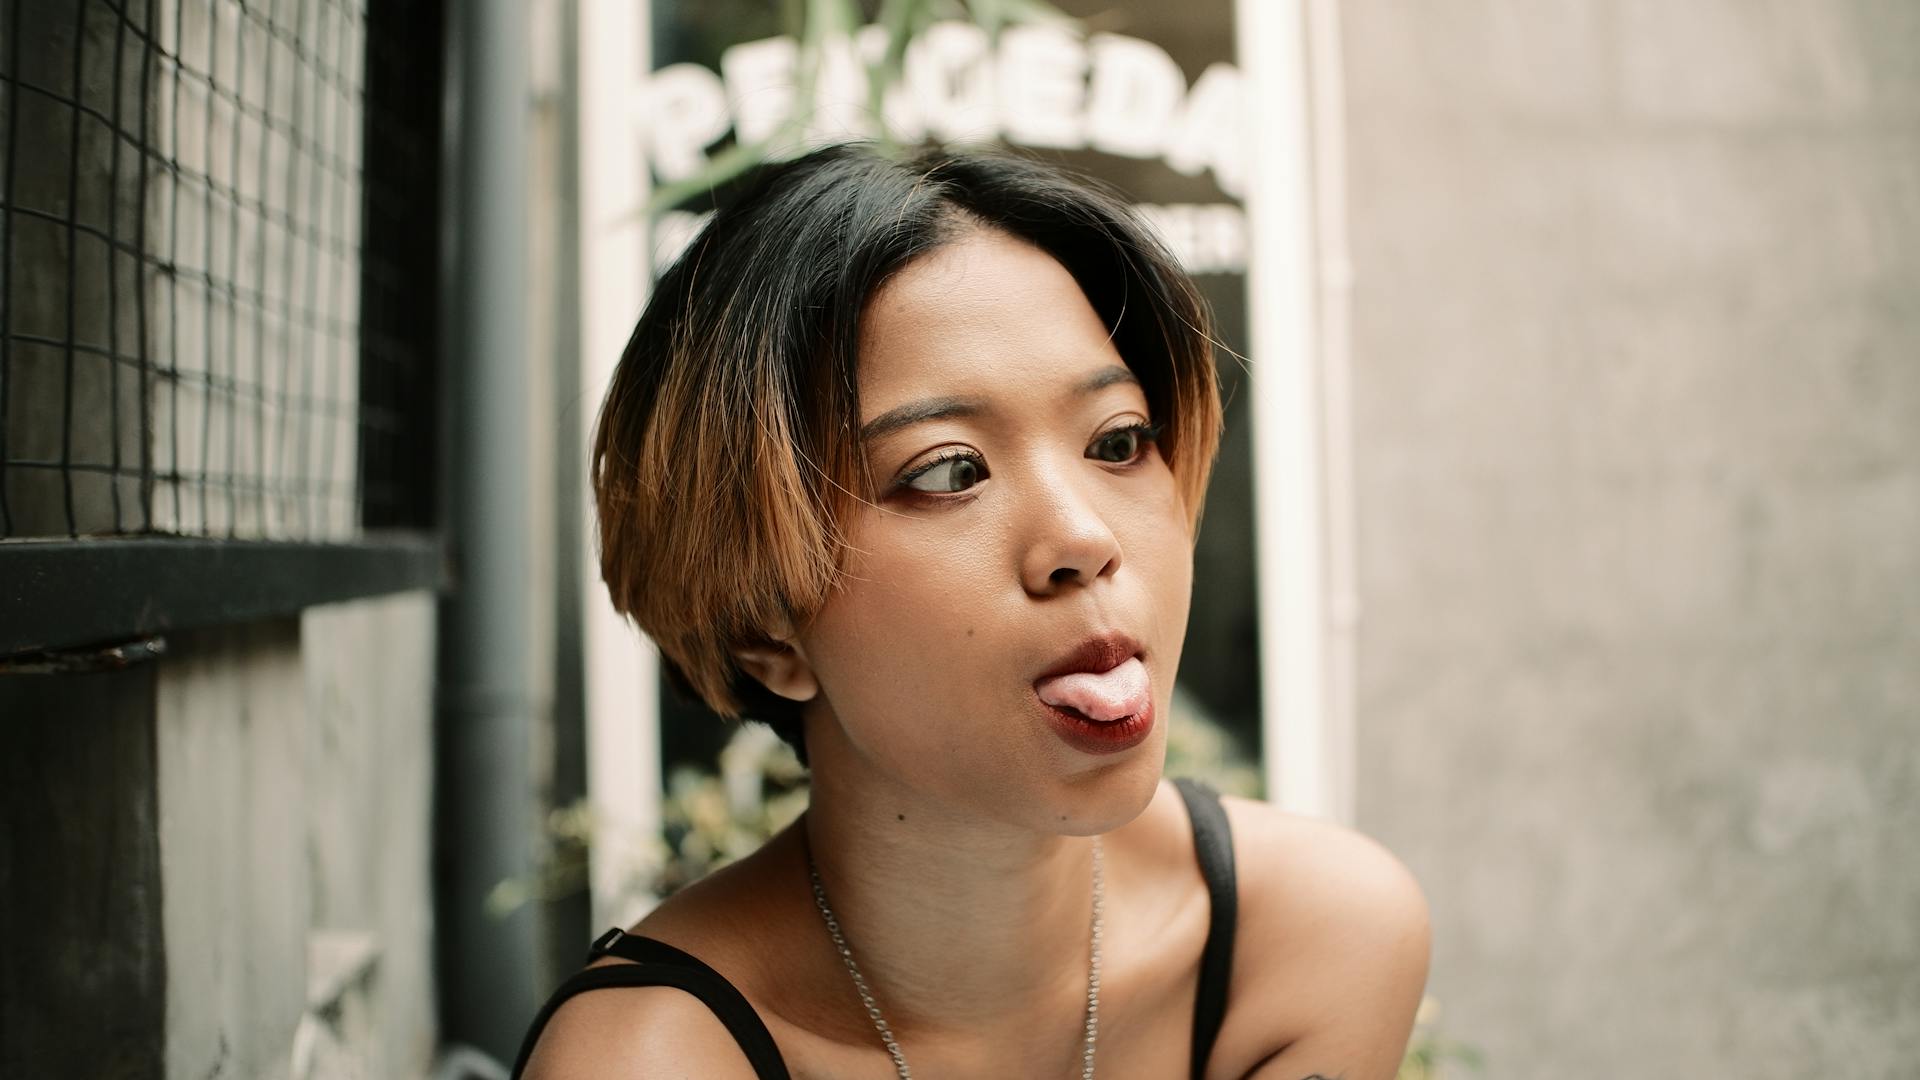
point(230, 740)
point(219, 863)
point(83, 990)
point(294, 788)
point(368, 669)
point(1636, 375)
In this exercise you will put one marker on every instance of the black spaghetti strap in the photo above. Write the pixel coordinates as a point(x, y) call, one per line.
point(660, 964)
point(1213, 843)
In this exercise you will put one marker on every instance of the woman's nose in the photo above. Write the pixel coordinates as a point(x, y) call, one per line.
point(1069, 539)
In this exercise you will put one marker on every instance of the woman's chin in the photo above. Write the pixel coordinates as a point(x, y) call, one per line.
point(1103, 799)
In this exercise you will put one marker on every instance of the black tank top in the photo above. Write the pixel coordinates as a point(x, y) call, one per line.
point(660, 964)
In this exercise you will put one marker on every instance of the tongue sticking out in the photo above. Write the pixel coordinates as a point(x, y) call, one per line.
point(1105, 697)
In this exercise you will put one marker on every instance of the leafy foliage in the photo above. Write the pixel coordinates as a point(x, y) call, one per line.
point(1429, 1052)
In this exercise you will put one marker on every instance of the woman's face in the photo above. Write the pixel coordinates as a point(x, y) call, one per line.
point(1042, 521)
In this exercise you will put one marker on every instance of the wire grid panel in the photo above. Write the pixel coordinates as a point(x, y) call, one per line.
point(182, 241)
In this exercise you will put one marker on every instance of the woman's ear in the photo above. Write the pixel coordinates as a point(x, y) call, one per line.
point(781, 668)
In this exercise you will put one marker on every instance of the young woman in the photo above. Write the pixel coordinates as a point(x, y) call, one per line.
point(907, 458)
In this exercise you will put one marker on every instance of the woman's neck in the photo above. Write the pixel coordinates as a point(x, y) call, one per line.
point(958, 924)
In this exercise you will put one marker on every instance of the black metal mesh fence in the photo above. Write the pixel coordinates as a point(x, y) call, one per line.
point(188, 253)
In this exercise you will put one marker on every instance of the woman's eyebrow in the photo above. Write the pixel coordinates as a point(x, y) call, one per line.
point(939, 408)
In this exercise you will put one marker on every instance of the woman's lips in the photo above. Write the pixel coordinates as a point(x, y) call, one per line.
point(1092, 736)
point(1100, 652)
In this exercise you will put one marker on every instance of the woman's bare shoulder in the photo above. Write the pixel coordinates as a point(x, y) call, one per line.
point(654, 1031)
point(741, 918)
point(1290, 864)
point(635, 1033)
point(1332, 947)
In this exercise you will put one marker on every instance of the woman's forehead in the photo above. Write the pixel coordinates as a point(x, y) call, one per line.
point(987, 314)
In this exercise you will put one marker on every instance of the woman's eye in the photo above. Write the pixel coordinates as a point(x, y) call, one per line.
point(961, 470)
point(950, 474)
point(1126, 441)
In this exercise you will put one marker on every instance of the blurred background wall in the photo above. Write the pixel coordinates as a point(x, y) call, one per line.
point(1636, 373)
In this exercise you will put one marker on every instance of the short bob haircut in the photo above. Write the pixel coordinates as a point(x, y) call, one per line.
point(725, 458)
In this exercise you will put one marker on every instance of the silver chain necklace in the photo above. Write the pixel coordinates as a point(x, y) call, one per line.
point(873, 1007)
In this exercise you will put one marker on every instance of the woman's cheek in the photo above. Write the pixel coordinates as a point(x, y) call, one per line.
point(889, 635)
